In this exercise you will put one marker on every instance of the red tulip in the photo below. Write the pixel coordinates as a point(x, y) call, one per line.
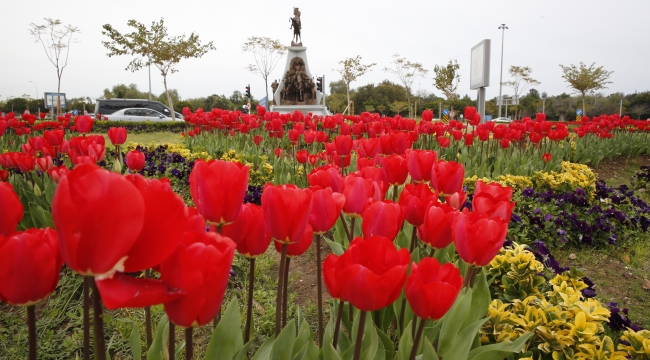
point(164, 223)
point(444, 141)
point(447, 177)
point(546, 157)
point(456, 200)
point(24, 162)
point(382, 218)
point(218, 189)
point(200, 266)
point(493, 200)
point(302, 156)
point(395, 169)
point(329, 276)
point(419, 163)
point(504, 143)
point(357, 192)
point(437, 225)
point(44, 164)
point(57, 172)
point(326, 178)
point(371, 273)
point(414, 200)
point(431, 289)
point(88, 204)
point(478, 238)
point(4, 175)
point(277, 152)
point(117, 135)
point(399, 142)
point(30, 266)
point(83, 124)
point(257, 139)
point(469, 139)
point(249, 231)
point(343, 145)
point(294, 136)
point(135, 160)
point(54, 137)
point(325, 210)
point(368, 147)
point(300, 247)
point(286, 210)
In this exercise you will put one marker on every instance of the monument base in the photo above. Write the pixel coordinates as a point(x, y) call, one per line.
point(320, 110)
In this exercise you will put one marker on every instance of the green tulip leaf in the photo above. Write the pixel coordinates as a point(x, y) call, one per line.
point(463, 342)
point(135, 341)
point(336, 248)
point(226, 339)
point(243, 352)
point(155, 350)
point(304, 337)
point(428, 352)
point(499, 350)
point(452, 322)
point(405, 343)
point(480, 299)
point(283, 346)
point(386, 345)
point(329, 353)
point(264, 352)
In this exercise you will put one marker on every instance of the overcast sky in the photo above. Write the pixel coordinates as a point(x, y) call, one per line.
point(541, 34)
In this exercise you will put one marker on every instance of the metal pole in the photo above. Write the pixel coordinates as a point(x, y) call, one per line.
point(324, 95)
point(481, 103)
point(544, 106)
point(620, 110)
point(503, 28)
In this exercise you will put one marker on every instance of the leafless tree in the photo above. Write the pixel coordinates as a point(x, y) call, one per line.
point(56, 39)
point(267, 53)
point(406, 72)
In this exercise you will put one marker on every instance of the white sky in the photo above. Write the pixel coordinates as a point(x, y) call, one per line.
point(542, 34)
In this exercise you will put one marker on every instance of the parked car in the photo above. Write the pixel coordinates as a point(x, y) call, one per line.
point(139, 114)
point(110, 106)
point(502, 120)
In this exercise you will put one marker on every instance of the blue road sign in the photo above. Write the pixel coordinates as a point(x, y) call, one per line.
point(579, 112)
point(445, 112)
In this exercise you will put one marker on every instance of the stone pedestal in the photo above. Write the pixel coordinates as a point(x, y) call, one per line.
point(318, 108)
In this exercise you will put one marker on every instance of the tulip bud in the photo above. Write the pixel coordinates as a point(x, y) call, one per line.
point(37, 190)
point(117, 166)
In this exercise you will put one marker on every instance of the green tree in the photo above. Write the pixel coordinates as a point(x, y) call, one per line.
point(55, 38)
point(521, 80)
point(267, 53)
point(338, 87)
point(153, 46)
point(584, 79)
point(16, 105)
point(406, 72)
point(383, 95)
point(398, 106)
point(446, 79)
point(350, 70)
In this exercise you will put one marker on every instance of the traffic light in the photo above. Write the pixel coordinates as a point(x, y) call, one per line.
point(319, 84)
point(248, 91)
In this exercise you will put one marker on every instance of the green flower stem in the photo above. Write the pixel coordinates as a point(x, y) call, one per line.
point(285, 295)
point(147, 316)
point(337, 327)
point(189, 346)
point(86, 305)
point(172, 341)
point(278, 302)
point(98, 324)
point(416, 341)
point(319, 282)
point(357, 345)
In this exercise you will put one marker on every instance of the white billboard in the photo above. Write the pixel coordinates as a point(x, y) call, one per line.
point(480, 66)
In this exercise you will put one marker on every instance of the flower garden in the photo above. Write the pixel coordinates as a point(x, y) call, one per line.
point(427, 240)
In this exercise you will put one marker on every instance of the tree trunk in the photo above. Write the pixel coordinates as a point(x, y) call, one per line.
point(408, 100)
point(169, 99)
point(266, 88)
point(347, 88)
point(583, 105)
point(58, 96)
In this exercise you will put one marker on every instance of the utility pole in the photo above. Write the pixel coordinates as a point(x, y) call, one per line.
point(503, 28)
point(149, 65)
point(620, 109)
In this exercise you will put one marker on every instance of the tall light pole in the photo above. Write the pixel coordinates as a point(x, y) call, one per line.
point(544, 103)
point(503, 28)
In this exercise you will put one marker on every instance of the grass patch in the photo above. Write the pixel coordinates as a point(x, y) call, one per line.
point(156, 138)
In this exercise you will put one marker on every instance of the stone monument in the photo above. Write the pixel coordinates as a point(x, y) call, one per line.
point(297, 90)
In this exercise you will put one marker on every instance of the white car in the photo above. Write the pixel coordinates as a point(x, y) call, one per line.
point(139, 114)
point(502, 120)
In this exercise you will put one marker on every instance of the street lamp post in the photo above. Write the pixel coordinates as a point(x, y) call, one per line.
point(544, 102)
point(503, 28)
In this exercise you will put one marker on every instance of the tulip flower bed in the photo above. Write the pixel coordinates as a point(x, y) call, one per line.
point(415, 269)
